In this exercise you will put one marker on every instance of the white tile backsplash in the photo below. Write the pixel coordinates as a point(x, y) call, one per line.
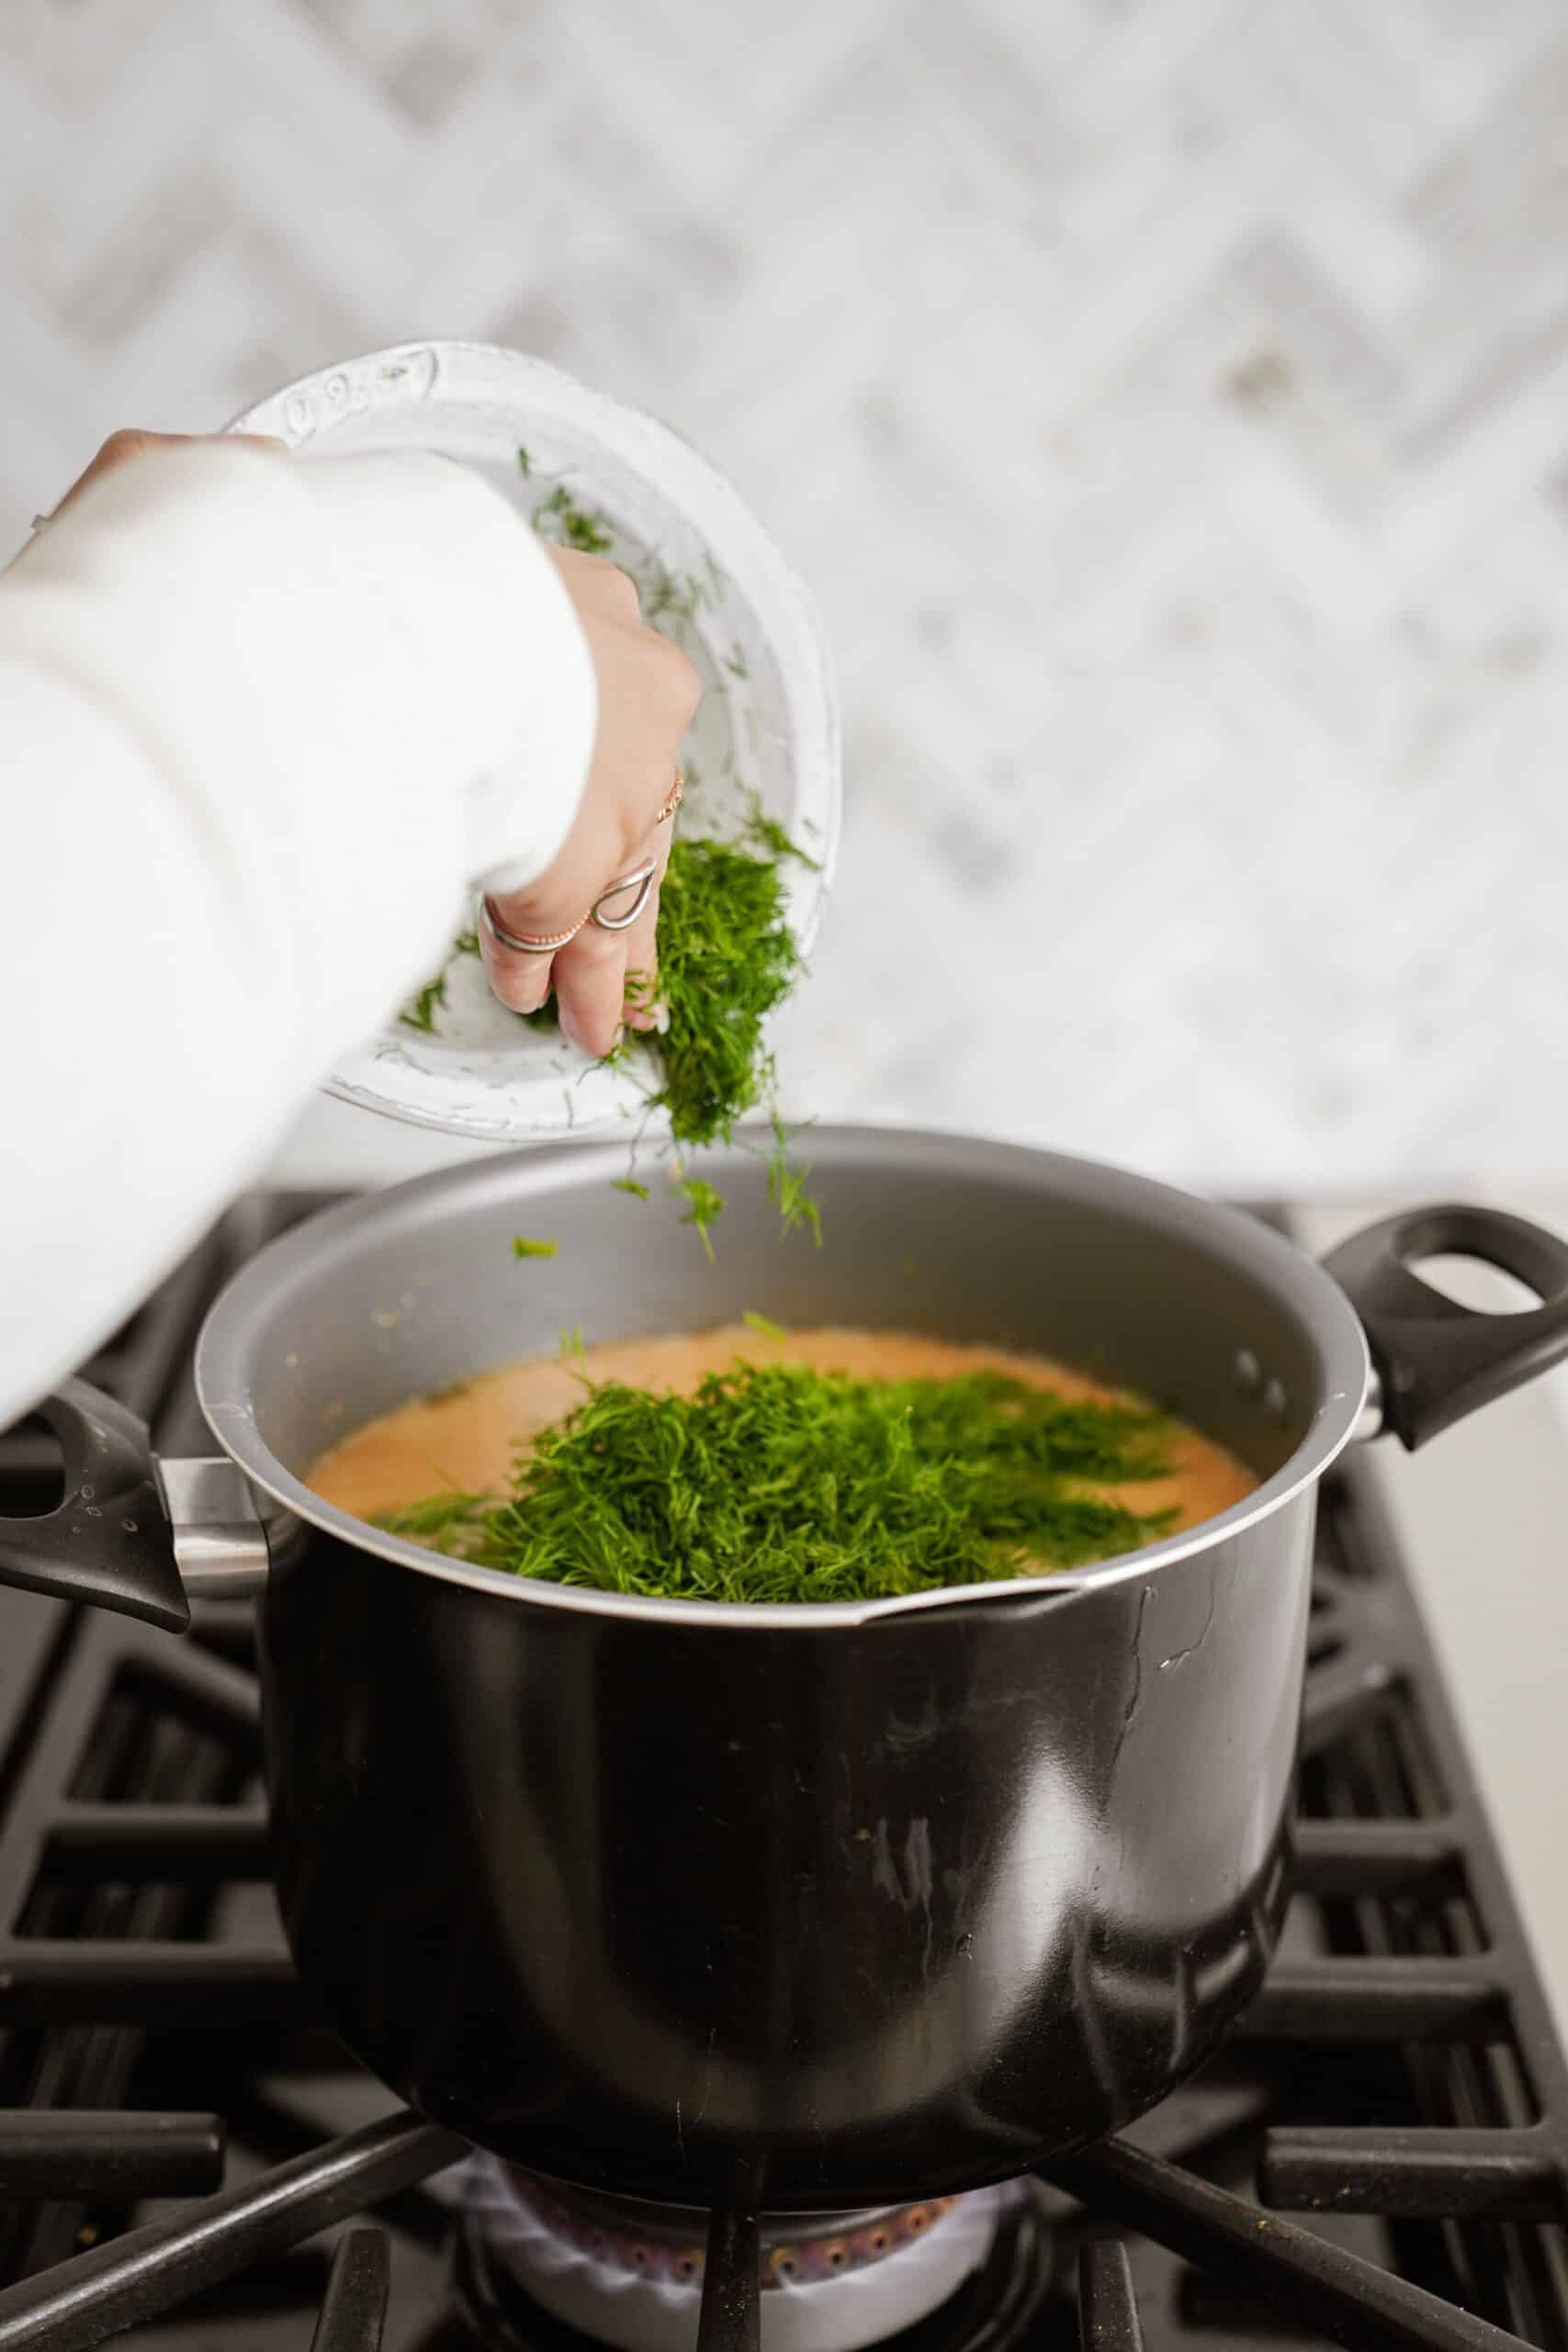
point(1168, 405)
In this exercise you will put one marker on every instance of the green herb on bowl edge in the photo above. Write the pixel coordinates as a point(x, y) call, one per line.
point(667, 595)
point(777, 1482)
point(420, 1014)
point(570, 525)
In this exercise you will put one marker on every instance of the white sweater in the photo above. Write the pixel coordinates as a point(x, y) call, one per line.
point(260, 721)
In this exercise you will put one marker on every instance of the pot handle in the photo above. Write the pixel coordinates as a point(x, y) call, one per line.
point(1438, 1360)
point(134, 1533)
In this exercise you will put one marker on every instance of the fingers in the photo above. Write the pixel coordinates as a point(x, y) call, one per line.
point(559, 902)
point(520, 982)
point(601, 979)
point(592, 977)
point(596, 586)
point(590, 989)
point(640, 1010)
point(647, 697)
point(117, 450)
point(122, 448)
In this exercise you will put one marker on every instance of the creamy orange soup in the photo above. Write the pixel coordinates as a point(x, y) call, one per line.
point(466, 1439)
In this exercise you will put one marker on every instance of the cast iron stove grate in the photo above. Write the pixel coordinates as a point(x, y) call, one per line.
point(1380, 2156)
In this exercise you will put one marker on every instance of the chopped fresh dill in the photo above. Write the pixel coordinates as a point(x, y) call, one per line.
point(583, 527)
point(705, 1206)
point(762, 1324)
point(789, 1186)
point(727, 960)
point(524, 462)
point(779, 1482)
point(452, 1523)
point(523, 1247)
point(629, 1185)
point(735, 661)
point(466, 943)
point(420, 1013)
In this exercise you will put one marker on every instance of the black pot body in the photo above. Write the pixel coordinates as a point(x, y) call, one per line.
point(892, 1909)
point(893, 1902)
point(851, 1904)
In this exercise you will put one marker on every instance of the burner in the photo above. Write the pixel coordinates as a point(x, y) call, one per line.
point(542, 2267)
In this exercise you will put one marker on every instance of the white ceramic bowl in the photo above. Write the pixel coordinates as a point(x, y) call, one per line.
point(710, 576)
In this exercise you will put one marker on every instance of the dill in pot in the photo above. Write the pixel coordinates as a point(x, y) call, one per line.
point(780, 1482)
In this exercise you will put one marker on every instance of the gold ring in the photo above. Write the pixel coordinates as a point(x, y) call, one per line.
point(674, 800)
point(525, 943)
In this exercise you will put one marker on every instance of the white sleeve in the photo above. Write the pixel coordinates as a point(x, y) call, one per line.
point(260, 721)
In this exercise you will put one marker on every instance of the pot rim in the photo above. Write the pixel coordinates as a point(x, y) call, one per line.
point(223, 1391)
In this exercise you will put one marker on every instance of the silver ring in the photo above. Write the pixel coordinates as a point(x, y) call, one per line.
point(641, 881)
point(519, 940)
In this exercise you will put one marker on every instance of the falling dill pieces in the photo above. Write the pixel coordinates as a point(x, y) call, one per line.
point(777, 1482)
point(705, 1206)
point(523, 1247)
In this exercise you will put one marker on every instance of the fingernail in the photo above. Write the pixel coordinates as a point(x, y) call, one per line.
point(568, 1027)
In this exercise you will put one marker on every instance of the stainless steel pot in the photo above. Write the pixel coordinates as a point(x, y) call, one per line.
point(877, 1900)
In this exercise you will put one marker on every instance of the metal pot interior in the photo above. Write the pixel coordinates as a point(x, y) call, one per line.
point(387, 1299)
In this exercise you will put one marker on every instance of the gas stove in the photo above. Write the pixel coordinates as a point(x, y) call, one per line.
point(1380, 2156)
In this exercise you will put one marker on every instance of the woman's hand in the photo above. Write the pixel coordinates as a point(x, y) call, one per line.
point(120, 447)
point(647, 696)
